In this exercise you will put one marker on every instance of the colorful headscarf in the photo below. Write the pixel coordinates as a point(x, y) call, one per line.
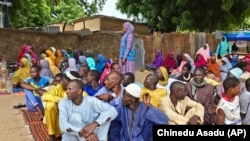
point(129, 27)
point(170, 62)
point(164, 75)
point(157, 60)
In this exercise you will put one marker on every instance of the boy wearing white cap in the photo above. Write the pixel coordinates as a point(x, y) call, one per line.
point(135, 118)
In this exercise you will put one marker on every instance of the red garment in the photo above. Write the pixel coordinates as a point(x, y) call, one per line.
point(201, 61)
point(169, 62)
point(21, 53)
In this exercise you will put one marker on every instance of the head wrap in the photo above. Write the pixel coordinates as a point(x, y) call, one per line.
point(71, 75)
point(134, 90)
point(53, 49)
point(164, 73)
point(237, 72)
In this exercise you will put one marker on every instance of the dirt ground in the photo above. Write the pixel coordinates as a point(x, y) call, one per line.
point(12, 126)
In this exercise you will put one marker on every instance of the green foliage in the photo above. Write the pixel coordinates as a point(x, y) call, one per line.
point(29, 13)
point(187, 15)
point(67, 11)
point(91, 7)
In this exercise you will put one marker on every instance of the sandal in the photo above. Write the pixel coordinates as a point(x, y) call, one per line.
point(19, 106)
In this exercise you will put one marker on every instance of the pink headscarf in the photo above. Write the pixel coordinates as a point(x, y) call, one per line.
point(204, 52)
point(201, 61)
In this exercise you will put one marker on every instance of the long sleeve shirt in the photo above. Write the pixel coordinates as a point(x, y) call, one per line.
point(77, 117)
point(176, 114)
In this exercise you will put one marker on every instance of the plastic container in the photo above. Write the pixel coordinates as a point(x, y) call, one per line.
point(2, 83)
point(3, 65)
point(9, 85)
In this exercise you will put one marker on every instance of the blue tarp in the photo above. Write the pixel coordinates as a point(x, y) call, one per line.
point(237, 36)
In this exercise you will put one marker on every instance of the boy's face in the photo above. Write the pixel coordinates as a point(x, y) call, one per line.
point(235, 91)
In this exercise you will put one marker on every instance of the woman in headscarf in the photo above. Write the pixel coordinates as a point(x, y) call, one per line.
point(51, 55)
point(72, 65)
point(82, 61)
point(204, 51)
point(199, 60)
point(90, 60)
point(33, 55)
point(59, 57)
point(127, 49)
point(26, 55)
point(55, 70)
point(164, 81)
point(156, 62)
point(170, 63)
point(70, 53)
point(21, 73)
point(45, 70)
point(224, 68)
point(213, 68)
point(234, 60)
point(224, 47)
point(22, 52)
point(76, 54)
point(100, 63)
point(185, 59)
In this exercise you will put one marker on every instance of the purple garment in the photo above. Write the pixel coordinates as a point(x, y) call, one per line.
point(128, 66)
point(130, 38)
point(158, 60)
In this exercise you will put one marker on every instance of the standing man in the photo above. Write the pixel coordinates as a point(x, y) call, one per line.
point(84, 118)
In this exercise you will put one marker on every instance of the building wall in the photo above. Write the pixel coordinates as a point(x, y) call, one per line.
point(60, 25)
point(92, 24)
point(116, 25)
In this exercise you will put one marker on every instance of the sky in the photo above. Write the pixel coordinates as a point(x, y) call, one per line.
point(110, 10)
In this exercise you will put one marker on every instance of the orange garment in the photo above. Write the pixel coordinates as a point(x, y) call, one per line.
point(59, 57)
point(214, 68)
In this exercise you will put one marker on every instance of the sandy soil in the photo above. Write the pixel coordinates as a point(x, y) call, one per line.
point(12, 126)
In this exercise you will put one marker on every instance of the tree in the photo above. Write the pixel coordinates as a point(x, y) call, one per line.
point(25, 13)
point(67, 11)
point(91, 7)
point(191, 15)
point(29, 13)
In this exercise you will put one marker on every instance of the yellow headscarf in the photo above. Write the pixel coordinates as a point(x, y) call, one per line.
point(23, 72)
point(164, 73)
point(55, 70)
point(51, 55)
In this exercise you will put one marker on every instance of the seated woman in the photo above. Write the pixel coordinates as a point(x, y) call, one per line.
point(157, 61)
point(21, 74)
point(170, 62)
point(177, 72)
point(186, 75)
point(199, 60)
point(213, 69)
point(224, 68)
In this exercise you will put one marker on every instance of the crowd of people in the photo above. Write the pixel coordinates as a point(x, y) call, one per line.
point(82, 96)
